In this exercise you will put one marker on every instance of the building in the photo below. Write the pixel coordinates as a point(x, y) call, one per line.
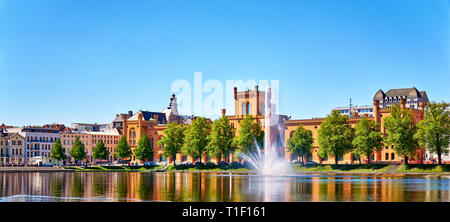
point(90, 127)
point(90, 140)
point(118, 121)
point(413, 97)
point(253, 103)
point(356, 111)
point(16, 148)
point(4, 156)
point(38, 141)
point(386, 155)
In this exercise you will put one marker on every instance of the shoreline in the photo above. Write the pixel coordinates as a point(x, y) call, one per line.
point(296, 172)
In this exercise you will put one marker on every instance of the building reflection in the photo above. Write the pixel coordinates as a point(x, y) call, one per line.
point(215, 187)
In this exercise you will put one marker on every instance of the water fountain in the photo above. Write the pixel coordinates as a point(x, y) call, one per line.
point(267, 161)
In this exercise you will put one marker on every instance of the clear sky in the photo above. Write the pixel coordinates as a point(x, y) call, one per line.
point(64, 61)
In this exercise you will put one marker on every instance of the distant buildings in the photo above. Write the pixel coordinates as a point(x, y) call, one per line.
point(356, 111)
point(90, 126)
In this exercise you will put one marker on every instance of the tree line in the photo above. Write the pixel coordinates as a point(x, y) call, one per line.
point(336, 137)
point(203, 137)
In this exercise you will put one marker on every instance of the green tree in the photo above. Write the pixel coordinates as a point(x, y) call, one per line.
point(335, 136)
point(300, 143)
point(123, 150)
point(173, 140)
point(250, 132)
point(434, 131)
point(58, 152)
point(400, 132)
point(221, 138)
point(196, 138)
point(144, 149)
point(78, 151)
point(100, 151)
point(367, 138)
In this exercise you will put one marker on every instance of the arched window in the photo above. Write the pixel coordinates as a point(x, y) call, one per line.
point(392, 156)
point(248, 109)
point(387, 156)
point(243, 108)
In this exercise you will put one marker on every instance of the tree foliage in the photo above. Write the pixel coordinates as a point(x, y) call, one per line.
point(368, 138)
point(335, 136)
point(221, 138)
point(100, 151)
point(400, 132)
point(250, 132)
point(123, 150)
point(434, 131)
point(173, 140)
point(196, 138)
point(300, 143)
point(58, 152)
point(144, 150)
point(78, 151)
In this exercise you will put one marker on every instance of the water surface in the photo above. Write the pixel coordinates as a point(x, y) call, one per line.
point(219, 187)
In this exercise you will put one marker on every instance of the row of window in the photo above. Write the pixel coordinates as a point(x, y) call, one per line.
point(41, 139)
point(86, 136)
point(86, 143)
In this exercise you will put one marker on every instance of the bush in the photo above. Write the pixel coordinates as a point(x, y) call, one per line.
point(210, 164)
point(236, 165)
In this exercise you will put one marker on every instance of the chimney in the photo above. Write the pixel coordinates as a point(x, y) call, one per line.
point(403, 102)
point(235, 93)
point(224, 111)
point(130, 114)
point(155, 117)
point(376, 110)
point(257, 100)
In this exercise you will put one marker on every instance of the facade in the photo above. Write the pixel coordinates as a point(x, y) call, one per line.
point(118, 121)
point(413, 97)
point(16, 149)
point(38, 141)
point(90, 140)
point(356, 111)
point(90, 127)
point(4, 154)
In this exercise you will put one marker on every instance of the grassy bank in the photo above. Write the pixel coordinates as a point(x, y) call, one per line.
point(417, 168)
point(114, 168)
point(206, 168)
point(376, 168)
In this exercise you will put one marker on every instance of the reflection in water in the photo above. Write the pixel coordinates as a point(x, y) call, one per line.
point(219, 187)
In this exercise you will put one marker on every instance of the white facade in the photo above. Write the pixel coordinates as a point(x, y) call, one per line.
point(38, 141)
point(361, 110)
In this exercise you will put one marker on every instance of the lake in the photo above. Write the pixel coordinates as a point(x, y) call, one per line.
point(219, 187)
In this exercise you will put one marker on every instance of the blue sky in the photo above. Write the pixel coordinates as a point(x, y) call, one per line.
point(69, 61)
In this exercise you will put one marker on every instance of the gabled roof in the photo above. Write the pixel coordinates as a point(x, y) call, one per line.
point(146, 115)
point(379, 95)
point(408, 92)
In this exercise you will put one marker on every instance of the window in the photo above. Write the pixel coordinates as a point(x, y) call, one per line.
point(392, 156)
point(387, 156)
point(243, 108)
